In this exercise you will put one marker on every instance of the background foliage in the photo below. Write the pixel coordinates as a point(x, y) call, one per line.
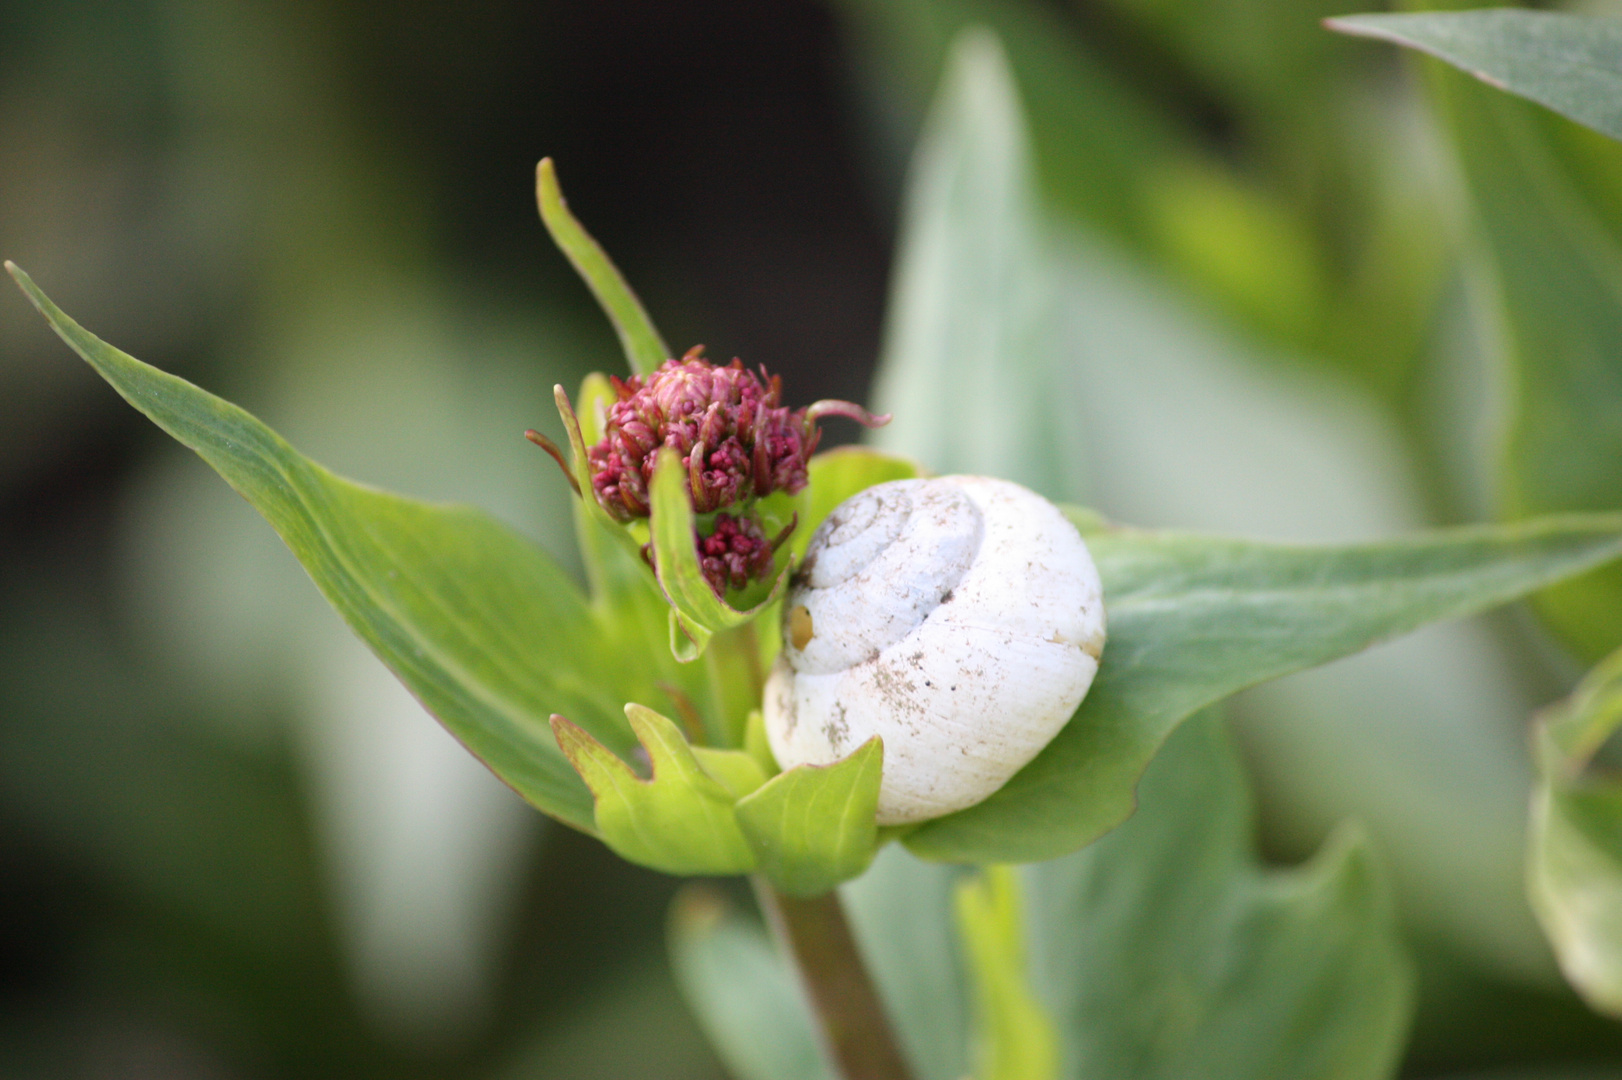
point(1282, 297)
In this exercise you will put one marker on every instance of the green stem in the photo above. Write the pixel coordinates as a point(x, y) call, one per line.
point(856, 1036)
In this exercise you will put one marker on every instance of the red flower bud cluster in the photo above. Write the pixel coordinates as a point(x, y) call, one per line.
point(735, 437)
point(737, 442)
point(735, 553)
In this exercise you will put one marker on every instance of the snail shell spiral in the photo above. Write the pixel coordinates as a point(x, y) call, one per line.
point(959, 617)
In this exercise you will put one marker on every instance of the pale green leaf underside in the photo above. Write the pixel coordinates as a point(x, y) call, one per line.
point(472, 617)
point(1193, 619)
point(1570, 63)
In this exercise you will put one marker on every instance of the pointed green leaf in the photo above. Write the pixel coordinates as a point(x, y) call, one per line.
point(814, 826)
point(970, 339)
point(696, 612)
point(644, 349)
point(485, 629)
point(1014, 1037)
point(1575, 866)
point(1193, 619)
point(1554, 246)
point(1570, 63)
point(679, 820)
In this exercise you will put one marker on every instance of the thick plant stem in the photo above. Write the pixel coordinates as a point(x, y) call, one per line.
point(856, 1035)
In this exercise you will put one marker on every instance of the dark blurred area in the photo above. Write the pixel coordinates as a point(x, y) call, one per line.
point(211, 185)
point(231, 846)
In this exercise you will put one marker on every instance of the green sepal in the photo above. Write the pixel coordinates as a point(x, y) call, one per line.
point(644, 349)
point(696, 612)
point(1574, 866)
point(735, 770)
point(680, 819)
point(813, 827)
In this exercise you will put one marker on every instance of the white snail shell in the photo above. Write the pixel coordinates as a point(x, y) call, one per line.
point(960, 618)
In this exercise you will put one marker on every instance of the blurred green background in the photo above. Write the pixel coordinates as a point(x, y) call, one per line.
point(231, 846)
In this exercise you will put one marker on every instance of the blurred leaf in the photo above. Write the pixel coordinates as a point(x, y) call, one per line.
point(1571, 63)
point(458, 605)
point(1164, 951)
point(679, 820)
point(902, 911)
point(969, 348)
point(1193, 619)
point(1240, 246)
point(1014, 1035)
point(1557, 283)
point(745, 997)
point(813, 827)
point(644, 349)
point(1094, 135)
point(696, 613)
point(1575, 865)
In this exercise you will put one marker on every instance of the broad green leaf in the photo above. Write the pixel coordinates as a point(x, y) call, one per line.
point(1164, 951)
point(1575, 866)
point(680, 819)
point(696, 613)
point(1193, 619)
point(479, 623)
point(813, 826)
point(969, 345)
point(644, 349)
point(1015, 1039)
point(746, 998)
point(1571, 63)
point(1556, 284)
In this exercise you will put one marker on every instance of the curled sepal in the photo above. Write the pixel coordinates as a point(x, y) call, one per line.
point(813, 827)
point(644, 348)
point(579, 468)
point(1575, 867)
point(696, 612)
point(680, 819)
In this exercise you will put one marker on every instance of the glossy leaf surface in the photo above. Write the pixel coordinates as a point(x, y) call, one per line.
point(1570, 63)
point(479, 623)
point(1194, 618)
point(1575, 865)
point(813, 827)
